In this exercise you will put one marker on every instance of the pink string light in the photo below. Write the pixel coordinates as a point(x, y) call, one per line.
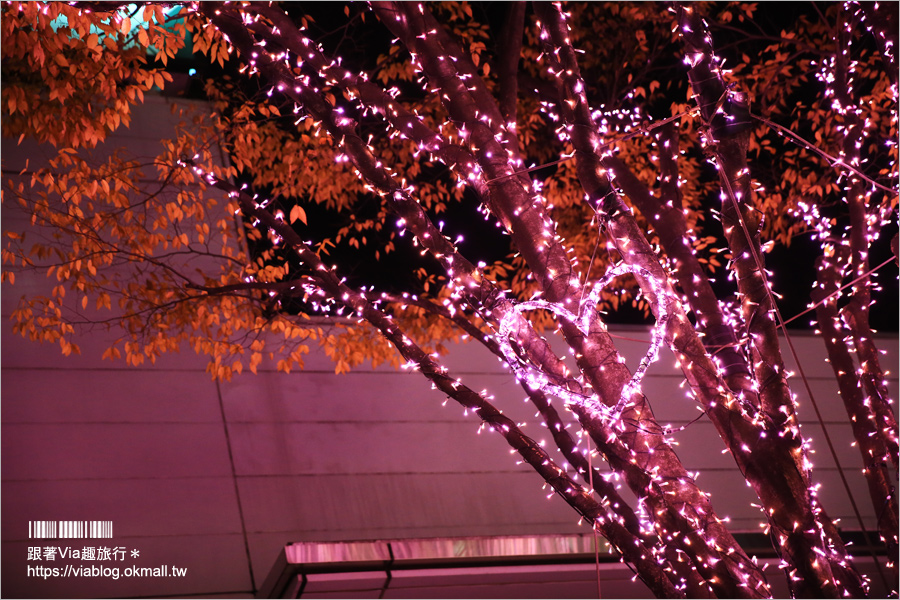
point(585, 320)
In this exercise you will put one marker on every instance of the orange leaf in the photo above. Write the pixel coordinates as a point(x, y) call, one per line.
point(297, 212)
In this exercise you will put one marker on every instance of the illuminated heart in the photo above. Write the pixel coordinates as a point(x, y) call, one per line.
point(537, 379)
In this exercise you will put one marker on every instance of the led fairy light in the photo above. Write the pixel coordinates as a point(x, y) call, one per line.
point(376, 181)
point(584, 320)
point(834, 574)
point(729, 578)
point(624, 235)
point(449, 261)
point(868, 13)
point(463, 282)
point(347, 299)
point(866, 220)
point(377, 175)
point(605, 516)
point(608, 497)
point(846, 331)
point(461, 273)
point(402, 123)
point(474, 110)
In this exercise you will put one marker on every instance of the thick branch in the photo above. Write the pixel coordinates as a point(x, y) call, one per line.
point(512, 199)
point(855, 260)
point(866, 429)
point(667, 218)
point(797, 524)
point(510, 47)
point(635, 250)
point(727, 119)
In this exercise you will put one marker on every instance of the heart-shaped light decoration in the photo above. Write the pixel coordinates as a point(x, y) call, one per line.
point(537, 379)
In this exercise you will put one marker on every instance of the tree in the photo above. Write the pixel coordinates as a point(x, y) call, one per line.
point(570, 128)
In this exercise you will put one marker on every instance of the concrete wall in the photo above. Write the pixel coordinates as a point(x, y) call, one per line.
point(217, 478)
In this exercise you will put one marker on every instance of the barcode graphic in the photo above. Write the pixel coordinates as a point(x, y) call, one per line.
point(70, 529)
